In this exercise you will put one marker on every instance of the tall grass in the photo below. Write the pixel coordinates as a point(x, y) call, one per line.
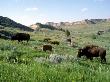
point(17, 62)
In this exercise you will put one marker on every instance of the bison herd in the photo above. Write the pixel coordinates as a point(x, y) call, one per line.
point(88, 51)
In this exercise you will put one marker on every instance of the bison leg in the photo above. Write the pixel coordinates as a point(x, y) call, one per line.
point(44, 50)
point(27, 41)
point(91, 58)
point(19, 40)
point(51, 50)
point(103, 60)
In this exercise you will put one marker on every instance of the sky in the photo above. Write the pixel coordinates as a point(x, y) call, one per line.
point(29, 12)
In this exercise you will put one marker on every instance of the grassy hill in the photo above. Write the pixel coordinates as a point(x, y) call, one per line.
point(7, 22)
point(26, 62)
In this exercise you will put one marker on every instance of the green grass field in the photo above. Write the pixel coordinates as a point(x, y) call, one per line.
point(23, 68)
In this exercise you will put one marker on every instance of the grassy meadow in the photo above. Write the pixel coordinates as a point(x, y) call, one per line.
point(17, 62)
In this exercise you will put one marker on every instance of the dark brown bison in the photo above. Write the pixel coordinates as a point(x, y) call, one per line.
point(68, 40)
point(55, 42)
point(91, 51)
point(46, 39)
point(47, 47)
point(100, 32)
point(20, 37)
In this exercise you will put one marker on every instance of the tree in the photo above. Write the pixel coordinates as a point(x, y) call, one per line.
point(67, 33)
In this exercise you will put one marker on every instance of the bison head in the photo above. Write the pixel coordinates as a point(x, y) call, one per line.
point(13, 38)
point(80, 53)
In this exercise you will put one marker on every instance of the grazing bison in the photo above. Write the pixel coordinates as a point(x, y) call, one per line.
point(20, 37)
point(55, 42)
point(46, 39)
point(68, 40)
point(47, 47)
point(100, 32)
point(91, 51)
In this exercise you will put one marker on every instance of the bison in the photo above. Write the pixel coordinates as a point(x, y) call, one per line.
point(69, 40)
point(47, 47)
point(20, 37)
point(91, 51)
point(46, 39)
point(100, 32)
point(55, 42)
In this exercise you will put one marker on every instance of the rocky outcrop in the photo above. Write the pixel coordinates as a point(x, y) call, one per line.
point(38, 26)
point(83, 22)
point(35, 26)
point(95, 21)
point(56, 26)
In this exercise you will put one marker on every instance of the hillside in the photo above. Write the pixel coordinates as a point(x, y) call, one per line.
point(38, 26)
point(27, 62)
point(6, 22)
point(62, 25)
